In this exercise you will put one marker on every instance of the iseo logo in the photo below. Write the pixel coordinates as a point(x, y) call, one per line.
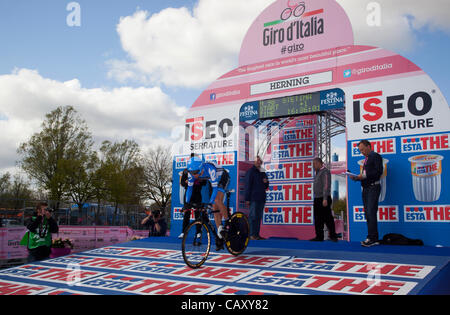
point(198, 129)
point(418, 104)
point(393, 112)
point(296, 29)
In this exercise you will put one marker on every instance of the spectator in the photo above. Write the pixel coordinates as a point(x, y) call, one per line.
point(256, 184)
point(38, 238)
point(155, 223)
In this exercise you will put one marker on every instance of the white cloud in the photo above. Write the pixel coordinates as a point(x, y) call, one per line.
point(340, 151)
point(178, 47)
point(146, 115)
point(399, 21)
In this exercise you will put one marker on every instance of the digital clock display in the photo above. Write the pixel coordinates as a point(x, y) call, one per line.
point(300, 104)
point(289, 106)
point(293, 105)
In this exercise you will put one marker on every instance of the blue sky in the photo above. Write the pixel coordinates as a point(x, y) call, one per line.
point(100, 62)
point(35, 36)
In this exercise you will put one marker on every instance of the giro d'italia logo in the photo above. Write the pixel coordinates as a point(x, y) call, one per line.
point(300, 26)
point(295, 9)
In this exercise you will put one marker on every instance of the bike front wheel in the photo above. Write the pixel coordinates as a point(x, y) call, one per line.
point(238, 235)
point(196, 244)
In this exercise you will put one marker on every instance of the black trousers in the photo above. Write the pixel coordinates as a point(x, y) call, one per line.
point(323, 215)
point(370, 197)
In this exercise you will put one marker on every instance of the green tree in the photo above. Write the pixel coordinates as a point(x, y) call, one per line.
point(64, 136)
point(79, 175)
point(121, 172)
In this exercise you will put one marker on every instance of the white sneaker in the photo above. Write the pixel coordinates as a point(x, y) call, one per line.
point(199, 235)
point(369, 243)
point(181, 235)
point(219, 231)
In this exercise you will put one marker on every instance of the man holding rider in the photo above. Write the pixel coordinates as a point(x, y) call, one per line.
point(219, 179)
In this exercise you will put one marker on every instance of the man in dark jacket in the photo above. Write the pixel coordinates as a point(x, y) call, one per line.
point(256, 184)
point(39, 236)
point(371, 188)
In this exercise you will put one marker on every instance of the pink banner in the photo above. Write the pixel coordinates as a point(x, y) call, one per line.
point(9, 243)
point(83, 237)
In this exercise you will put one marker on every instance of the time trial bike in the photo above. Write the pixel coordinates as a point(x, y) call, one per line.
point(196, 243)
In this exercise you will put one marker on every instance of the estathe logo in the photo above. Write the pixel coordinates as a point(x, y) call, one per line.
point(426, 143)
point(296, 29)
point(288, 215)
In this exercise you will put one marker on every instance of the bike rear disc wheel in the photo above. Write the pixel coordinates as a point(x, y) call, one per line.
point(196, 244)
point(238, 235)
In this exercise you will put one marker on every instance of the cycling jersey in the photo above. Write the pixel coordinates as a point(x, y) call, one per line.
point(217, 176)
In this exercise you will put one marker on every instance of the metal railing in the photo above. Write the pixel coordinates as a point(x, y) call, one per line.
point(16, 212)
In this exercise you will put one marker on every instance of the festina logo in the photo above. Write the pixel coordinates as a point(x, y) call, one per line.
point(332, 98)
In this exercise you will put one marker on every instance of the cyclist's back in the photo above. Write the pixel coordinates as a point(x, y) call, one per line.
point(217, 176)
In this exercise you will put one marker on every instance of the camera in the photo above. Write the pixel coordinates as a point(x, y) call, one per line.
point(156, 213)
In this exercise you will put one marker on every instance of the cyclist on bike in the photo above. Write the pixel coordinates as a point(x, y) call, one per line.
point(219, 179)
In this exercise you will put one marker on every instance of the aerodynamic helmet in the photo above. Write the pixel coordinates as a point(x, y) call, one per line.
point(194, 165)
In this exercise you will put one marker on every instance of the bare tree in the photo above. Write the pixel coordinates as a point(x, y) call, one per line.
point(157, 166)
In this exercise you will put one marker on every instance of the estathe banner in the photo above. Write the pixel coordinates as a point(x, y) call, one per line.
point(289, 199)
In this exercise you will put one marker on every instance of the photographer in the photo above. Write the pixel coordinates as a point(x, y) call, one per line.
point(155, 223)
point(38, 239)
